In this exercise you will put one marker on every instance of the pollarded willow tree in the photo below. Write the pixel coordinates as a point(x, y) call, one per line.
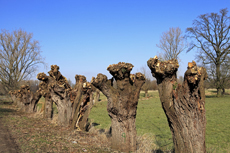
point(82, 103)
point(30, 99)
point(43, 87)
point(60, 93)
point(184, 105)
point(86, 103)
point(17, 98)
point(73, 105)
point(25, 99)
point(122, 103)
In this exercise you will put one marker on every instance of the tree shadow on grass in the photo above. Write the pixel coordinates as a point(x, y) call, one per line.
point(210, 96)
point(163, 142)
point(215, 96)
point(5, 111)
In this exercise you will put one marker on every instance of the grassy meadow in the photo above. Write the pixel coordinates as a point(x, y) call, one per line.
point(151, 121)
point(151, 124)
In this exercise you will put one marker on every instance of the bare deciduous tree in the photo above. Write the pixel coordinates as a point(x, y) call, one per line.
point(224, 75)
point(211, 33)
point(19, 57)
point(172, 44)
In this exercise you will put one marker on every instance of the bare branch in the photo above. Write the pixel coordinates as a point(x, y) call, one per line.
point(172, 43)
point(19, 57)
point(212, 39)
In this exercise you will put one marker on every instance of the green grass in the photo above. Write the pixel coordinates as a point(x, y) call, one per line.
point(40, 103)
point(151, 119)
point(218, 123)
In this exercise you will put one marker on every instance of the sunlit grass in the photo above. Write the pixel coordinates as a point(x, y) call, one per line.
point(151, 119)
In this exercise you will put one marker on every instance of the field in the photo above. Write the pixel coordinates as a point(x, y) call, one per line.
point(34, 134)
point(151, 121)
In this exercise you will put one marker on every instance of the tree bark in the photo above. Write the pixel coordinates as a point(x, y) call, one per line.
point(13, 96)
point(60, 92)
point(61, 98)
point(122, 103)
point(78, 89)
point(97, 96)
point(86, 105)
point(184, 105)
point(218, 79)
point(43, 87)
point(80, 80)
point(223, 91)
point(35, 97)
point(48, 107)
point(26, 99)
point(19, 99)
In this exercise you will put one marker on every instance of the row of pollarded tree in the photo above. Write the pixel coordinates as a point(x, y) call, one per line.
point(25, 99)
point(73, 104)
point(182, 104)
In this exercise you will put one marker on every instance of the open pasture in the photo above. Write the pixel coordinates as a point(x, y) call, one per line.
point(151, 120)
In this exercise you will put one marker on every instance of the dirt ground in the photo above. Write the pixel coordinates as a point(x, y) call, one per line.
point(26, 133)
point(7, 142)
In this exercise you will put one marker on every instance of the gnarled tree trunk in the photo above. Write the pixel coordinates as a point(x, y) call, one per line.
point(43, 87)
point(56, 89)
point(60, 93)
point(122, 103)
point(48, 106)
point(85, 107)
point(82, 103)
point(34, 101)
point(183, 105)
point(13, 96)
point(26, 99)
point(64, 106)
point(20, 104)
point(78, 90)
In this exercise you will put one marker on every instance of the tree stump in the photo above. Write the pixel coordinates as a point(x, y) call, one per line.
point(122, 103)
point(184, 105)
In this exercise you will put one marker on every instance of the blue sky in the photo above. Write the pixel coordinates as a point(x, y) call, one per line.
point(86, 36)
